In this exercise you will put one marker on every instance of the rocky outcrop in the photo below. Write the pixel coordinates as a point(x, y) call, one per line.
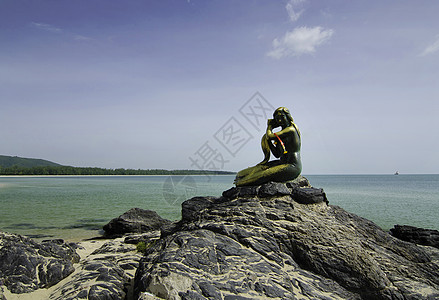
point(98, 269)
point(421, 236)
point(107, 273)
point(136, 220)
point(26, 265)
point(282, 241)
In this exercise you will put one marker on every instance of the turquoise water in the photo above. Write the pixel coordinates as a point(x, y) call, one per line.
point(74, 208)
point(385, 199)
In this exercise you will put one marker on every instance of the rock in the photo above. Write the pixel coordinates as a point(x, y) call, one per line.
point(148, 296)
point(142, 237)
point(273, 189)
point(309, 195)
point(421, 236)
point(282, 241)
point(107, 273)
point(300, 181)
point(136, 220)
point(26, 265)
point(2, 297)
point(268, 189)
point(191, 208)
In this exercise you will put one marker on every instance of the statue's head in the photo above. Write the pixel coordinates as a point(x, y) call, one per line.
point(283, 117)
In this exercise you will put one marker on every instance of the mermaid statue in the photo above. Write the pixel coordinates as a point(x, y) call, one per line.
point(284, 145)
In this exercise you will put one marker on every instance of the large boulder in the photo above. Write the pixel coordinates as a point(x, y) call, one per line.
point(136, 220)
point(26, 265)
point(105, 274)
point(421, 236)
point(282, 241)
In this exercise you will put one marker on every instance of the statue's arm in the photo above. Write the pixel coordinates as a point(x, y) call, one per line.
point(270, 136)
point(283, 132)
point(269, 133)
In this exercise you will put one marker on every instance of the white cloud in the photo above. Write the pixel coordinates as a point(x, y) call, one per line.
point(81, 38)
point(46, 27)
point(302, 40)
point(51, 28)
point(432, 48)
point(293, 9)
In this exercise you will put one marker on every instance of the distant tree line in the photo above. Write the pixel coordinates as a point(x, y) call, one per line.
point(67, 170)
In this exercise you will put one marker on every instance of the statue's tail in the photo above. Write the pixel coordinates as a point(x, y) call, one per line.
point(266, 149)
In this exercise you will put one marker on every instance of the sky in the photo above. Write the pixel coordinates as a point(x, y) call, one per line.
point(190, 84)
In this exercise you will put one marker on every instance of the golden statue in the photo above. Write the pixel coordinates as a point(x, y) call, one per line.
point(284, 144)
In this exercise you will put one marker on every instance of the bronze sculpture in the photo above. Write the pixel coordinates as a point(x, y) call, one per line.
point(284, 144)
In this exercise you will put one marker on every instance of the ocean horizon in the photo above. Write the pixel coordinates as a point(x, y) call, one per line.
point(75, 207)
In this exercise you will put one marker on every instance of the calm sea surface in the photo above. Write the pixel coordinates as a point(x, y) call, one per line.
point(74, 208)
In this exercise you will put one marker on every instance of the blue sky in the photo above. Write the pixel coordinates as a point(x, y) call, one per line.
point(157, 84)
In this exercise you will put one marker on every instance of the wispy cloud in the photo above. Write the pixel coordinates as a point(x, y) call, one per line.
point(46, 27)
point(54, 29)
point(81, 38)
point(302, 40)
point(433, 48)
point(294, 9)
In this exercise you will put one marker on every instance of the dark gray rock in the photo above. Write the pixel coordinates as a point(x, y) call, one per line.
point(191, 208)
point(241, 191)
point(105, 274)
point(300, 181)
point(421, 236)
point(26, 265)
point(264, 242)
point(136, 220)
point(309, 195)
point(273, 189)
point(267, 190)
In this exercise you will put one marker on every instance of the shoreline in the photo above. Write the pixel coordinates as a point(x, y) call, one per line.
point(46, 176)
point(67, 235)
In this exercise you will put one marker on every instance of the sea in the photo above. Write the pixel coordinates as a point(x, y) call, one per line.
point(76, 207)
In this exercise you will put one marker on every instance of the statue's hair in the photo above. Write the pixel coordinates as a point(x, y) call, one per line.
point(286, 111)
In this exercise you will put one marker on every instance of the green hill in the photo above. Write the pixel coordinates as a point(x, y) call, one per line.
point(9, 161)
point(14, 165)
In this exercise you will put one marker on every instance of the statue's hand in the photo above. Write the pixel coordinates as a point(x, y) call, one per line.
point(271, 123)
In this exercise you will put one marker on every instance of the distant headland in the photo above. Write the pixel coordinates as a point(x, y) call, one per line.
point(14, 165)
